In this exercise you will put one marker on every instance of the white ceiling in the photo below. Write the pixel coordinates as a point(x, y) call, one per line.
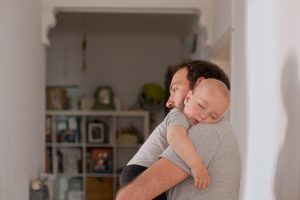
point(126, 23)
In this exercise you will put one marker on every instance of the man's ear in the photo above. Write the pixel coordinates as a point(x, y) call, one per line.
point(199, 80)
point(188, 96)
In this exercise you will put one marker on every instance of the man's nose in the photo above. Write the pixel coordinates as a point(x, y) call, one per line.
point(170, 103)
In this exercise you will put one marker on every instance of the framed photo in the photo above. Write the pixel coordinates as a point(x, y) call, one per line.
point(104, 99)
point(96, 132)
point(102, 160)
point(56, 98)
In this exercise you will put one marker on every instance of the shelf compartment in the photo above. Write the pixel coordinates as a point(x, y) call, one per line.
point(99, 188)
point(123, 157)
point(68, 129)
point(99, 129)
point(69, 188)
point(68, 161)
point(99, 160)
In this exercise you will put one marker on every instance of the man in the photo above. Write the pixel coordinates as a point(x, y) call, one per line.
point(214, 142)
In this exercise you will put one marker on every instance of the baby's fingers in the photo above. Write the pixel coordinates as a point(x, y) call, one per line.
point(199, 183)
point(196, 182)
point(205, 183)
point(203, 186)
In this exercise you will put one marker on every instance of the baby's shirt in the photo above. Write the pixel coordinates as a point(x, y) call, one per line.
point(157, 142)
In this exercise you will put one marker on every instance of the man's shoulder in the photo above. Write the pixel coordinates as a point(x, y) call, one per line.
point(174, 111)
point(176, 116)
point(215, 133)
point(223, 126)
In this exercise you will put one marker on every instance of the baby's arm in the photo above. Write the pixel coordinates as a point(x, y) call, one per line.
point(184, 148)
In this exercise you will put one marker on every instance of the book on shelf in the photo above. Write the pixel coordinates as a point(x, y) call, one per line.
point(69, 160)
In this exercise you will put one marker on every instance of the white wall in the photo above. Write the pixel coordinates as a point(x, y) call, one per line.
point(266, 79)
point(239, 92)
point(124, 62)
point(22, 82)
point(287, 163)
point(222, 10)
point(136, 6)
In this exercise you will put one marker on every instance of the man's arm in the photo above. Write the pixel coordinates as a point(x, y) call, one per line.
point(158, 178)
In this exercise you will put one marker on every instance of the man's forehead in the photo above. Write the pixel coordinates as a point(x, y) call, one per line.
point(180, 77)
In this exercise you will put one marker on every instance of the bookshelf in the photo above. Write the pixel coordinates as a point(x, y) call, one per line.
point(87, 150)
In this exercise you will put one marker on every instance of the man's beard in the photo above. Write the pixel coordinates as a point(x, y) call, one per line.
point(181, 105)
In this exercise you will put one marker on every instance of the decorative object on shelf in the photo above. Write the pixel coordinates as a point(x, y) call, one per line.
point(61, 127)
point(73, 97)
point(68, 129)
point(70, 159)
point(152, 98)
point(49, 181)
point(117, 103)
point(48, 160)
point(56, 98)
point(70, 136)
point(96, 133)
point(61, 187)
point(102, 160)
point(104, 98)
point(128, 136)
point(87, 103)
point(74, 191)
point(38, 190)
point(48, 129)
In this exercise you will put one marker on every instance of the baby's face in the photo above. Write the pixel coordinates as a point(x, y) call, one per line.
point(205, 105)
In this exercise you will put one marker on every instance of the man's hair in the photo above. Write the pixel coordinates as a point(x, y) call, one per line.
point(196, 69)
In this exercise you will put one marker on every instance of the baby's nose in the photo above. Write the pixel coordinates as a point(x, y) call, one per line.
point(204, 116)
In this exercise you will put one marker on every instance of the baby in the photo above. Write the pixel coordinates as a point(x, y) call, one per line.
point(205, 104)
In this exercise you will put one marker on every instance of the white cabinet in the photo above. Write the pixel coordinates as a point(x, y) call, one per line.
point(88, 149)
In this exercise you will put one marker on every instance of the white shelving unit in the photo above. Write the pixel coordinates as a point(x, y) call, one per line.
point(121, 153)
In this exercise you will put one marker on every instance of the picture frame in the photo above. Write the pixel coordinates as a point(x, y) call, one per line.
point(96, 132)
point(104, 98)
point(56, 98)
point(102, 159)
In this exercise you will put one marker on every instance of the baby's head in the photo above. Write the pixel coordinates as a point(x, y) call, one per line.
point(207, 102)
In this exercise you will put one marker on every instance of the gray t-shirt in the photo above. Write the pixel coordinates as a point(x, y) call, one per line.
point(219, 150)
point(157, 141)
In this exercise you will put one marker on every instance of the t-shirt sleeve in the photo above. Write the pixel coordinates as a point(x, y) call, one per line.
point(176, 117)
point(205, 141)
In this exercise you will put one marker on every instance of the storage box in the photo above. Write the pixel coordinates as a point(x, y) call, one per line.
point(99, 188)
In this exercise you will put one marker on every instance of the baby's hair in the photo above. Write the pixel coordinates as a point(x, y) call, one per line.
point(216, 84)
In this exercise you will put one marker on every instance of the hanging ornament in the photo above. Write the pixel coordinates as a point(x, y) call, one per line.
point(84, 45)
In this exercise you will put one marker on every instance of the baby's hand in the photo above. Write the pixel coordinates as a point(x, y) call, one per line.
point(201, 177)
